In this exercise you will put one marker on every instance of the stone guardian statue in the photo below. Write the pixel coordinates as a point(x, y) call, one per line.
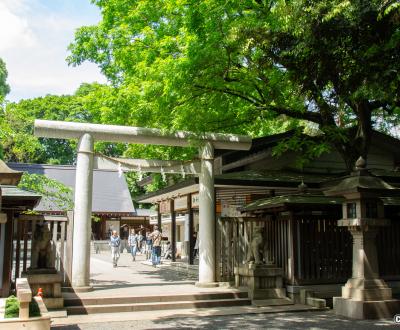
point(256, 247)
point(42, 252)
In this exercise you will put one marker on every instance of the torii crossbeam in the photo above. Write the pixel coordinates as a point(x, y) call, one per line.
point(88, 133)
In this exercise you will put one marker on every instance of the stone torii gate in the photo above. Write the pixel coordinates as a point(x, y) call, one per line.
point(88, 133)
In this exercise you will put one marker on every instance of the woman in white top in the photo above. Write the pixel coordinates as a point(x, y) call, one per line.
point(133, 243)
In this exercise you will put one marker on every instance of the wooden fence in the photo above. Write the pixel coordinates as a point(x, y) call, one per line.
point(22, 242)
point(323, 251)
point(309, 250)
point(388, 244)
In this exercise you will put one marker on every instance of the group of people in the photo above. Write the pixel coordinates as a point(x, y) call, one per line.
point(136, 242)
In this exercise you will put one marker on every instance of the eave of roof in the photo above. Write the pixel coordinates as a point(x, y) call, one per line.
point(16, 197)
point(298, 199)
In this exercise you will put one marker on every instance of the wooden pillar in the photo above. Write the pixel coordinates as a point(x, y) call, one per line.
point(191, 229)
point(62, 248)
point(18, 249)
point(25, 252)
point(8, 253)
point(159, 218)
point(173, 230)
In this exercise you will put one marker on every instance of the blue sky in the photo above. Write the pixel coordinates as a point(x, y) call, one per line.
point(34, 36)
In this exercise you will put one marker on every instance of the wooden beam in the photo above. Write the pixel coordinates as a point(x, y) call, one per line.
point(41, 217)
point(147, 166)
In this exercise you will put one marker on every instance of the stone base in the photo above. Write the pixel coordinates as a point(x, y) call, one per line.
point(275, 293)
point(49, 282)
point(366, 309)
point(33, 271)
point(272, 302)
point(54, 303)
point(366, 290)
point(206, 284)
point(88, 288)
point(262, 281)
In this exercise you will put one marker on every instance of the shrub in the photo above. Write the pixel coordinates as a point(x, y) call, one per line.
point(12, 307)
point(34, 309)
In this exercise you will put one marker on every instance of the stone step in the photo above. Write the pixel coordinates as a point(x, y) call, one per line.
point(160, 305)
point(68, 301)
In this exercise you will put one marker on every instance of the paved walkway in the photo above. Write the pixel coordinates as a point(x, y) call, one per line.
point(287, 321)
point(141, 279)
point(135, 278)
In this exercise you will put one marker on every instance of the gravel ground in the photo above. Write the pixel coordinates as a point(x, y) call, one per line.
point(288, 321)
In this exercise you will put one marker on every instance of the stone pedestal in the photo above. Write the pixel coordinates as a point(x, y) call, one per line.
point(50, 281)
point(365, 295)
point(263, 282)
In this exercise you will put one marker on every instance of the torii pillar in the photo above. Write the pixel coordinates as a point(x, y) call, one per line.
point(82, 214)
point(87, 134)
point(206, 218)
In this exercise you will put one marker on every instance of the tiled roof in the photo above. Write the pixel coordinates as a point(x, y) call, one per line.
point(110, 190)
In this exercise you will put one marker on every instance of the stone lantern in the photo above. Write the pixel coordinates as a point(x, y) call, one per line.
point(365, 295)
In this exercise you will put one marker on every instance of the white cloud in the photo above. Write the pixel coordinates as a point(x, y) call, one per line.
point(14, 28)
point(33, 43)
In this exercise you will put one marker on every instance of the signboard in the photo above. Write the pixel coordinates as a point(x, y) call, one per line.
point(231, 210)
point(165, 207)
point(195, 200)
point(181, 203)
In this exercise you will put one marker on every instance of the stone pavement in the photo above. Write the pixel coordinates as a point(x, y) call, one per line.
point(287, 321)
point(135, 278)
point(140, 279)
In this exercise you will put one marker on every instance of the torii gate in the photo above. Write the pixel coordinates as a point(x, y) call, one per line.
point(88, 133)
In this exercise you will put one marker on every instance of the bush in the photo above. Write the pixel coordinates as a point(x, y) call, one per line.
point(34, 309)
point(12, 308)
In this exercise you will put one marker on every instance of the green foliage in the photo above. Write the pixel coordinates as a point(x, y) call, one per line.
point(238, 66)
point(11, 308)
point(54, 191)
point(4, 88)
point(16, 127)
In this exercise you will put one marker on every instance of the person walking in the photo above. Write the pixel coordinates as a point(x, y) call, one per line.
point(133, 243)
point(140, 241)
point(196, 246)
point(156, 238)
point(115, 243)
point(168, 251)
point(149, 246)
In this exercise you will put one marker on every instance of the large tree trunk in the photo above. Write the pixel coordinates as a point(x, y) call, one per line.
point(359, 138)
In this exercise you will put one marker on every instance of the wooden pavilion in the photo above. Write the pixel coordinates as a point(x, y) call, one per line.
point(255, 188)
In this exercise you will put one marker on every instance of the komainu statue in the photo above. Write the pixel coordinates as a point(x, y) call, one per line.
point(256, 248)
point(42, 248)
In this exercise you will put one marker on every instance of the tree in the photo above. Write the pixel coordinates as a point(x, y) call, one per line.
point(16, 127)
point(237, 65)
point(54, 191)
point(4, 88)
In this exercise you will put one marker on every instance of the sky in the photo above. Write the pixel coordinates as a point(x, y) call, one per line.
point(34, 36)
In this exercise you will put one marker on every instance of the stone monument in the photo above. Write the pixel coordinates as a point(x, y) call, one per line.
point(365, 295)
point(42, 272)
point(260, 276)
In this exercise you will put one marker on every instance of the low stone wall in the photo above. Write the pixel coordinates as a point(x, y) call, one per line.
point(100, 246)
point(24, 295)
